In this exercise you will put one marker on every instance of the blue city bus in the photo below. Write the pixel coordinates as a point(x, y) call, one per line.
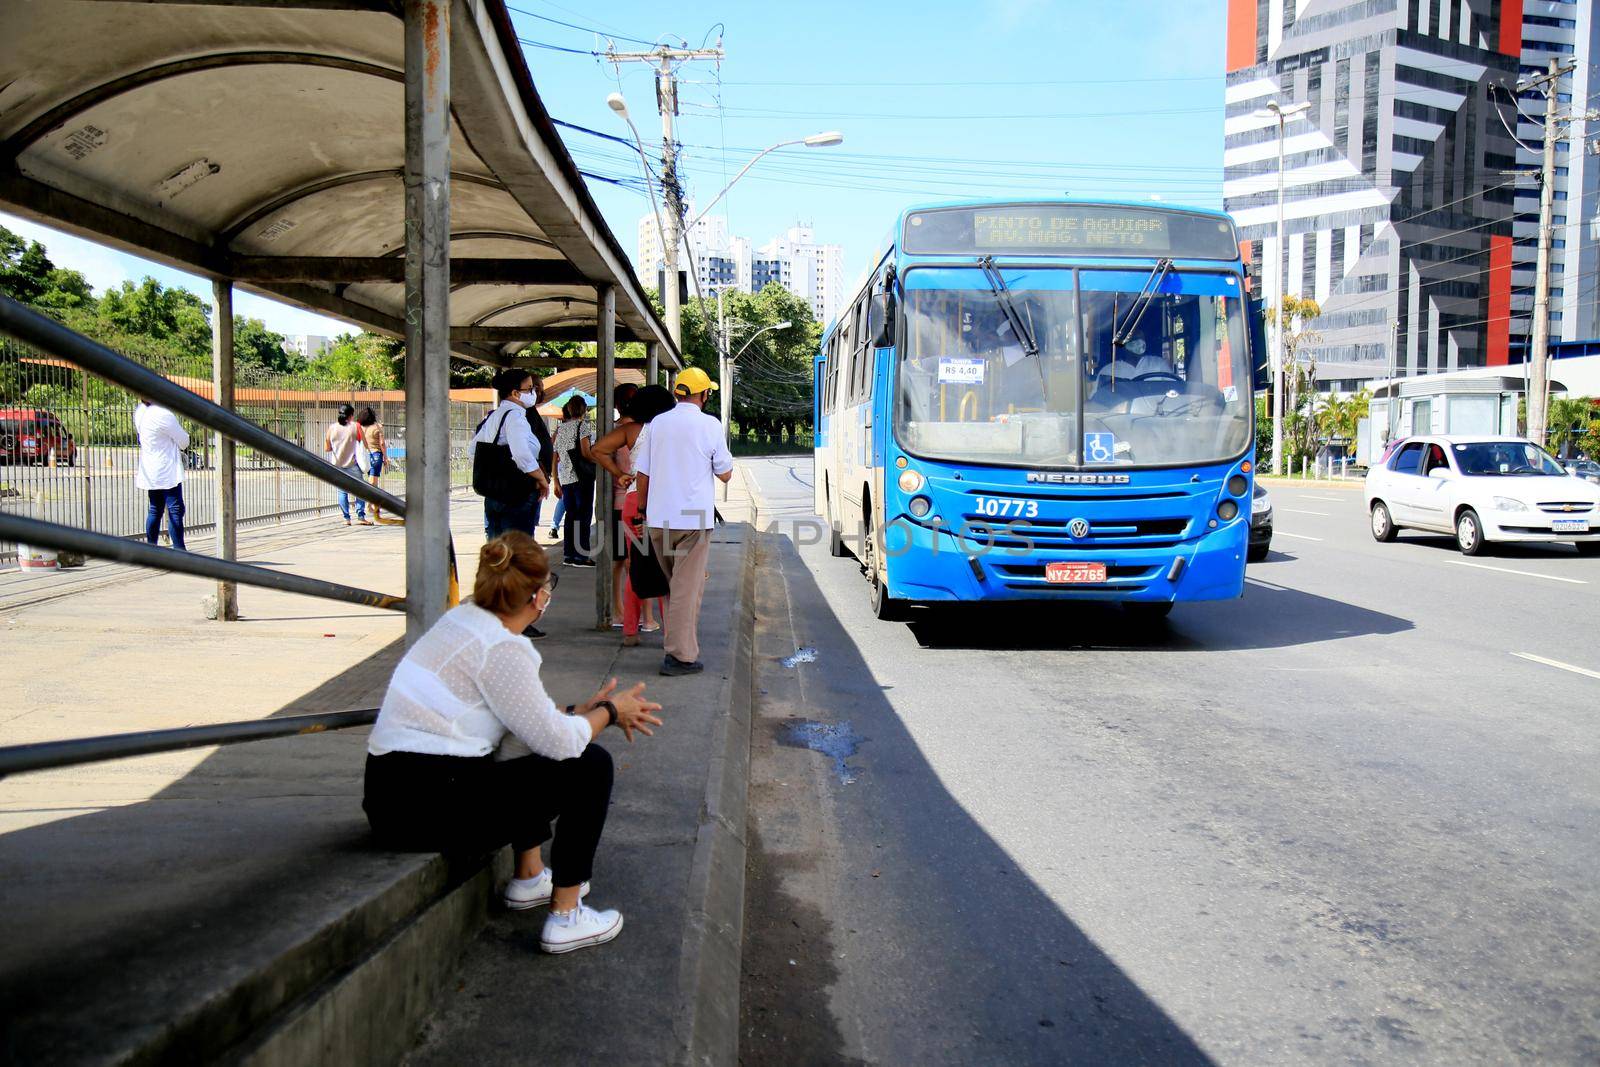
point(1049, 400)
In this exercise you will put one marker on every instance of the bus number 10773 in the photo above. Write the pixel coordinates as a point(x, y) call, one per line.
point(1006, 508)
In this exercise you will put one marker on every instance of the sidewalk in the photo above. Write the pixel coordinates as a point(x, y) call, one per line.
point(180, 906)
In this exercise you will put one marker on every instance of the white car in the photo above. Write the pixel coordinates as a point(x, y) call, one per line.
point(1482, 489)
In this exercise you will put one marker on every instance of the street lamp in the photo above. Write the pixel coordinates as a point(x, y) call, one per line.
point(727, 373)
point(1283, 115)
point(816, 140)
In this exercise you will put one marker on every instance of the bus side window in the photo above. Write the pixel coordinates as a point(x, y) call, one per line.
point(847, 354)
point(865, 350)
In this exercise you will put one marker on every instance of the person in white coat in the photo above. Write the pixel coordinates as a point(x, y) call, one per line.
point(160, 474)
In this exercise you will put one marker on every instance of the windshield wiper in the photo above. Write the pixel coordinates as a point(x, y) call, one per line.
point(997, 285)
point(1152, 285)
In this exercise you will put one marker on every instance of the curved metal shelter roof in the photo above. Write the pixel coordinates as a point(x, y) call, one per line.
point(263, 142)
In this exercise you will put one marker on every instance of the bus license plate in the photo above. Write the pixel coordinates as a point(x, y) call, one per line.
point(1073, 572)
point(1569, 525)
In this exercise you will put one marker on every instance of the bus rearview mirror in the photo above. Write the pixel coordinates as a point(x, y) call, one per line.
point(880, 320)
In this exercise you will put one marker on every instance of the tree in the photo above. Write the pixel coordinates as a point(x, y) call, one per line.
point(1294, 317)
point(175, 319)
point(26, 274)
point(1569, 419)
point(366, 360)
point(256, 346)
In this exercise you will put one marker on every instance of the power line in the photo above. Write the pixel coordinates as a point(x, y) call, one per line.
point(576, 26)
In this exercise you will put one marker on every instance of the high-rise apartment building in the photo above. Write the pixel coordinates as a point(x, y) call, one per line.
point(1398, 205)
point(1564, 31)
point(812, 271)
point(722, 261)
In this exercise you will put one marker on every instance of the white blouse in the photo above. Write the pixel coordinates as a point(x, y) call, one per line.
point(466, 683)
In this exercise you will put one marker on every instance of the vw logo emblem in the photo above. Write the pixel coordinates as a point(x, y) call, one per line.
point(1078, 528)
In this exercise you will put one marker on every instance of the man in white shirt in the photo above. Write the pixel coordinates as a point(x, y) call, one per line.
point(675, 464)
point(160, 474)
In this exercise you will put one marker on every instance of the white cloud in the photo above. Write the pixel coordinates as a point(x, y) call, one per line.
point(107, 268)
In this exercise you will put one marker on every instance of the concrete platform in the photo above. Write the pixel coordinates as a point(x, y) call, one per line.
point(228, 903)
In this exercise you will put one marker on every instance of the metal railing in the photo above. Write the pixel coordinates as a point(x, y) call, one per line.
point(68, 450)
point(45, 755)
point(45, 335)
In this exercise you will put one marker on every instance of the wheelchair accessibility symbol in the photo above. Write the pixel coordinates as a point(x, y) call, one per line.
point(1099, 447)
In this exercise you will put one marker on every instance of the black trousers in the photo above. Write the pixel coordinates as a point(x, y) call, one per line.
point(458, 805)
point(579, 496)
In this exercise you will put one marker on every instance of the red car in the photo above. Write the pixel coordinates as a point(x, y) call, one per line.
point(33, 435)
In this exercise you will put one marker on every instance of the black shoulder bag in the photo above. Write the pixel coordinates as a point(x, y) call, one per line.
point(495, 475)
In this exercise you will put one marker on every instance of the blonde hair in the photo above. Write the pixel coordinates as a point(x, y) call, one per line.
point(511, 569)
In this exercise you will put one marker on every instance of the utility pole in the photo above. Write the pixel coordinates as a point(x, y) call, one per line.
point(1281, 115)
point(663, 59)
point(1539, 367)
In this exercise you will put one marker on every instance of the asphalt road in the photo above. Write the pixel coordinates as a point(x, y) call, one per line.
point(1345, 819)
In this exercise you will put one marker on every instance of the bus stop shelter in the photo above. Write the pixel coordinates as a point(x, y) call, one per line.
point(387, 162)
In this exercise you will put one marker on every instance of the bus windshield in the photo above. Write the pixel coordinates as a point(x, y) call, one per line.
point(969, 391)
point(1164, 378)
point(1168, 377)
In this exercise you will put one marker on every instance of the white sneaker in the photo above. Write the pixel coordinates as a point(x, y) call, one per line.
point(579, 928)
point(522, 894)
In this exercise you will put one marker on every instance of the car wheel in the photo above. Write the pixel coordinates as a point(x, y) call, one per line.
point(1258, 554)
point(1469, 533)
point(1587, 548)
point(1382, 524)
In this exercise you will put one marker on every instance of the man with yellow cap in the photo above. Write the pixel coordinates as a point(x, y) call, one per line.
point(675, 462)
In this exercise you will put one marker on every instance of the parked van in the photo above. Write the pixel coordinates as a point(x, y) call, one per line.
point(33, 435)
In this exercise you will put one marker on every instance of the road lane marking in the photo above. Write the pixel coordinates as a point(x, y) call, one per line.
point(1302, 511)
point(1303, 537)
point(1526, 574)
point(1315, 496)
point(1586, 672)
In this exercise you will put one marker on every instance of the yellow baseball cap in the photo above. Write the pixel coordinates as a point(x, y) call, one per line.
point(692, 380)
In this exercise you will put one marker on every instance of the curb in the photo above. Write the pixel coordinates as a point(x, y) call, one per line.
point(709, 970)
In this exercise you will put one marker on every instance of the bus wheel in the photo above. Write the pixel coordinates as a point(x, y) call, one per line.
point(884, 606)
point(1147, 611)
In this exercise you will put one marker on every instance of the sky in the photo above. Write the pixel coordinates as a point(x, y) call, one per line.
point(937, 100)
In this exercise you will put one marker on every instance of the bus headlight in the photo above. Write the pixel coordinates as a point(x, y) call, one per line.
point(920, 506)
point(910, 481)
point(1227, 510)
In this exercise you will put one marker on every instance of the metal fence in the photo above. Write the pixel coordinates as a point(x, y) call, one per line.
point(68, 450)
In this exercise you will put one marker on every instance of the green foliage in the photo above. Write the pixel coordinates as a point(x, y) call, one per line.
point(1569, 419)
point(1341, 418)
point(366, 360)
point(26, 274)
point(773, 376)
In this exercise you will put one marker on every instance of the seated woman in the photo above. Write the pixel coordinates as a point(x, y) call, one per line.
point(434, 781)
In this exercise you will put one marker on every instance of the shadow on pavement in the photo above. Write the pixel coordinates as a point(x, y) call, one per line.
point(1267, 616)
point(883, 921)
point(119, 921)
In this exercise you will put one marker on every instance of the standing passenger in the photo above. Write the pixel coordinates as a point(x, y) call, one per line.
point(377, 450)
point(676, 462)
point(575, 465)
point(160, 474)
point(340, 442)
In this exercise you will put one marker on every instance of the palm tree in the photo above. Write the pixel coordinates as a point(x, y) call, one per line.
point(1569, 419)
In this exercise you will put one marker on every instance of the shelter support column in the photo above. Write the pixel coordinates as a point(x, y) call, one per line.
point(427, 318)
point(652, 364)
point(604, 386)
point(227, 486)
